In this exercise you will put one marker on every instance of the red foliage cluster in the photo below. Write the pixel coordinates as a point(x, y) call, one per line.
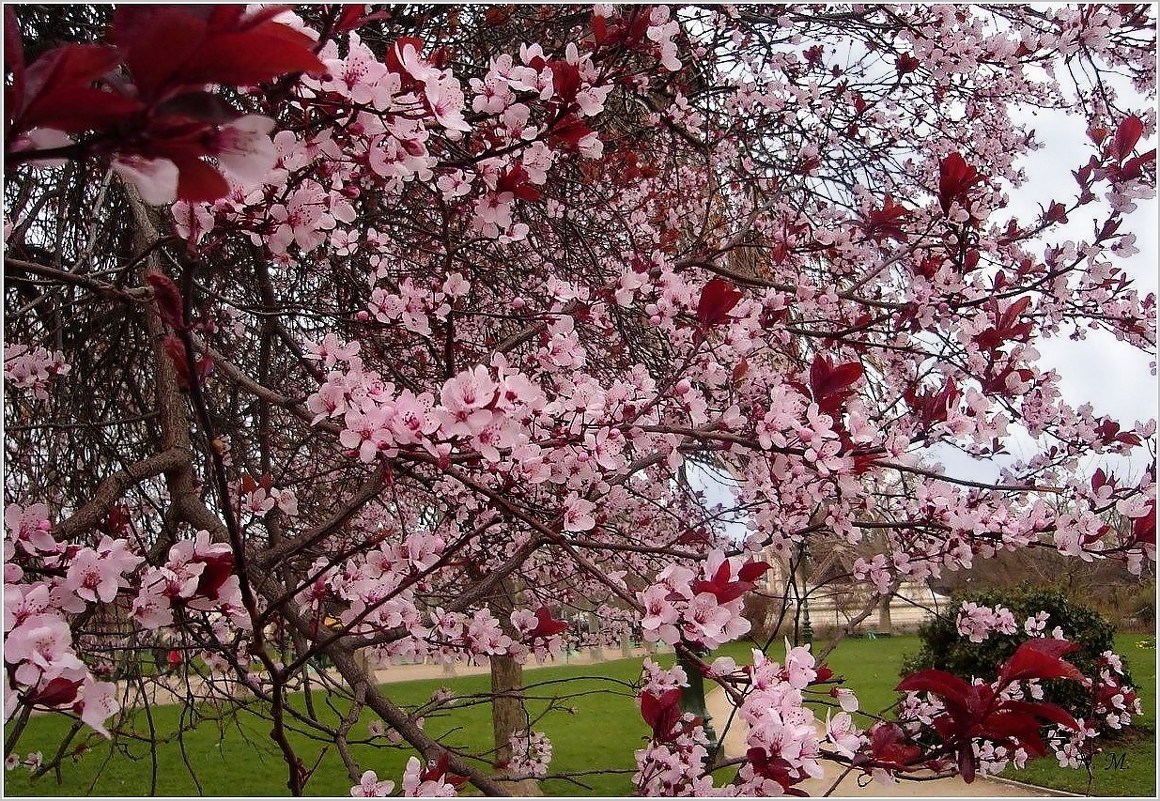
point(145, 94)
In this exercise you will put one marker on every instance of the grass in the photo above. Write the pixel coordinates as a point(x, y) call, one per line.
point(239, 758)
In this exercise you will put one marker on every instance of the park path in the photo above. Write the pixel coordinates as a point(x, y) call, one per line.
point(720, 707)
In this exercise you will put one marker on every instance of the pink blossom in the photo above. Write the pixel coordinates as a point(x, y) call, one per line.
point(92, 577)
point(579, 513)
point(154, 179)
point(29, 527)
point(302, 219)
point(531, 753)
point(357, 76)
point(331, 350)
point(99, 703)
point(193, 221)
point(660, 615)
point(843, 734)
point(369, 786)
point(415, 786)
point(445, 98)
point(41, 648)
point(244, 150)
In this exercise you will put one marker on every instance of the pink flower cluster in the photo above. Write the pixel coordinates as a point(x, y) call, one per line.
point(531, 753)
point(197, 575)
point(473, 410)
point(45, 584)
point(33, 368)
point(377, 593)
point(1114, 703)
point(782, 730)
point(977, 623)
point(705, 610)
point(430, 782)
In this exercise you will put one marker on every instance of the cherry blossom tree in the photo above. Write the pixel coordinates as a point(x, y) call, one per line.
point(392, 334)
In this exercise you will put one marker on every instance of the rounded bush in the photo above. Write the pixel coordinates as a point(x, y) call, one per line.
point(945, 649)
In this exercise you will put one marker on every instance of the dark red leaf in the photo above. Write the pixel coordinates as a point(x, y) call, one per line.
point(205, 107)
point(1128, 133)
point(831, 385)
point(565, 80)
point(367, 19)
point(217, 569)
point(204, 367)
point(1039, 658)
point(198, 181)
point(723, 574)
point(67, 70)
point(244, 59)
point(661, 713)
point(1099, 479)
point(726, 592)
point(75, 109)
point(1134, 167)
point(161, 44)
point(118, 521)
point(1144, 528)
point(14, 61)
point(1015, 728)
point(753, 570)
point(392, 56)
point(1097, 134)
point(131, 21)
point(568, 132)
point(168, 298)
point(436, 770)
point(57, 692)
point(966, 762)
point(175, 349)
point(599, 30)
point(1056, 213)
point(773, 767)
point(887, 748)
point(1041, 709)
point(546, 626)
point(955, 177)
point(884, 223)
point(718, 297)
point(906, 63)
point(939, 682)
point(349, 17)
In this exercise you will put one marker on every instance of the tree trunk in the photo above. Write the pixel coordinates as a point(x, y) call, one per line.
point(507, 706)
point(884, 624)
point(508, 715)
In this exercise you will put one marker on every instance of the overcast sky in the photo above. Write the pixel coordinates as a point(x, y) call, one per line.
point(1115, 378)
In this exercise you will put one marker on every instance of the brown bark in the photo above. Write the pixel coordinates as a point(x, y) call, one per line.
point(508, 714)
point(884, 624)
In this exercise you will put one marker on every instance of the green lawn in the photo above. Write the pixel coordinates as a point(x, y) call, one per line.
point(239, 758)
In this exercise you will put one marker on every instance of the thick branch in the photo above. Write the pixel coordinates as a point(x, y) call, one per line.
point(116, 485)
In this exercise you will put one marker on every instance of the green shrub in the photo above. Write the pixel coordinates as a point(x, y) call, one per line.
point(945, 649)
